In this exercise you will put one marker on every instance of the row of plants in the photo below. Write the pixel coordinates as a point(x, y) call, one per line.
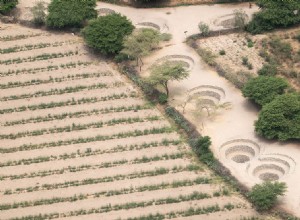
point(109, 193)
point(79, 127)
point(67, 103)
point(51, 79)
point(48, 68)
point(87, 152)
point(118, 177)
point(19, 37)
point(135, 133)
point(29, 47)
point(44, 56)
point(78, 114)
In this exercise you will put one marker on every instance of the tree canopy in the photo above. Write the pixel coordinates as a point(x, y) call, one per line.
point(7, 5)
point(280, 119)
point(274, 14)
point(71, 13)
point(167, 71)
point(264, 89)
point(106, 34)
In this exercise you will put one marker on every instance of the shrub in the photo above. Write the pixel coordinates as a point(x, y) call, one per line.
point(264, 195)
point(165, 37)
point(268, 70)
point(245, 61)
point(106, 34)
point(162, 98)
point(7, 5)
point(204, 28)
point(280, 119)
point(38, 13)
point(222, 52)
point(264, 89)
point(281, 49)
point(239, 79)
point(71, 13)
point(240, 19)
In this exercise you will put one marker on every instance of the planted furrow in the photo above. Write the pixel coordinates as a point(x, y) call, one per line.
point(20, 37)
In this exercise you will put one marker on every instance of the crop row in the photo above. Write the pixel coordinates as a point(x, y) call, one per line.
point(80, 140)
point(132, 205)
point(31, 47)
point(65, 90)
point(54, 80)
point(118, 177)
point(86, 153)
point(44, 69)
point(78, 127)
point(78, 114)
point(116, 163)
point(19, 37)
point(44, 56)
point(67, 103)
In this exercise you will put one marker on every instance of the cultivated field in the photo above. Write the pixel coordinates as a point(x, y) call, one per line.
point(80, 142)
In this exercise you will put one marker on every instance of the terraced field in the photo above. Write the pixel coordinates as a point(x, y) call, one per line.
point(80, 142)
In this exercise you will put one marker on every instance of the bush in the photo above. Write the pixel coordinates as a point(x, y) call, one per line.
point(71, 13)
point(240, 19)
point(162, 98)
point(264, 195)
point(268, 70)
point(7, 5)
point(165, 37)
point(222, 52)
point(280, 119)
point(204, 28)
point(281, 49)
point(239, 79)
point(38, 13)
point(264, 89)
point(202, 150)
point(106, 34)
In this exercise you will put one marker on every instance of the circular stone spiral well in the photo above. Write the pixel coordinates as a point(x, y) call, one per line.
point(148, 25)
point(240, 150)
point(186, 60)
point(272, 167)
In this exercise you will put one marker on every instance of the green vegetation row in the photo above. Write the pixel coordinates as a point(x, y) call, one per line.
point(79, 114)
point(78, 127)
point(66, 103)
point(65, 90)
point(120, 135)
point(109, 193)
point(19, 37)
point(44, 69)
point(44, 56)
point(76, 183)
point(54, 80)
point(31, 47)
point(87, 152)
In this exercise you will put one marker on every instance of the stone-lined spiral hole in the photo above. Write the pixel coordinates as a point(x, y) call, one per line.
point(105, 11)
point(148, 25)
point(240, 150)
point(269, 172)
point(187, 61)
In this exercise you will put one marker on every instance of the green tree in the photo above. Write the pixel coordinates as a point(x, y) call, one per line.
point(274, 14)
point(71, 13)
point(106, 34)
point(264, 89)
point(7, 5)
point(264, 196)
point(280, 119)
point(140, 43)
point(38, 12)
point(204, 28)
point(161, 74)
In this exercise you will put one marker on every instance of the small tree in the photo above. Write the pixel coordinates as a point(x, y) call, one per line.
point(71, 13)
point(264, 195)
point(280, 119)
point(161, 74)
point(7, 5)
point(204, 28)
point(240, 19)
point(264, 89)
point(140, 43)
point(38, 13)
point(106, 34)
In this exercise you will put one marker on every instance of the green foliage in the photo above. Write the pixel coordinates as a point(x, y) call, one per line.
point(163, 98)
point(280, 119)
point(38, 12)
point(274, 14)
point(264, 89)
point(202, 150)
point(106, 34)
point(165, 37)
point(141, 42)
point(161, 74)
point(71, 13)
point(240, 19)
point(204, 28)
point(222, 52)
point(264, 195)
point(281, 49)
point(268, 70)
point(7, 5)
